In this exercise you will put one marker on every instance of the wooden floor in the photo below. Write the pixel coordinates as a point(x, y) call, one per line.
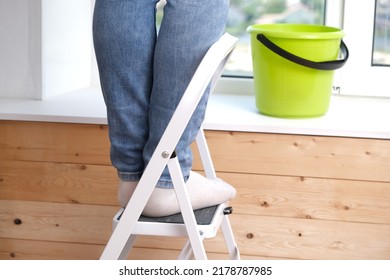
point(299, 197)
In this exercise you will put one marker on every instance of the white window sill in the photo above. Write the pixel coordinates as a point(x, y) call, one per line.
point(347, 116)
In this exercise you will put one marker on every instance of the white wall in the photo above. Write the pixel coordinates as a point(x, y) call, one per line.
point(20, 48)
point(45, 47)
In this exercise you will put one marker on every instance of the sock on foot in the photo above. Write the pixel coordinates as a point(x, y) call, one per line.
point(125, 192)
point(203, 192)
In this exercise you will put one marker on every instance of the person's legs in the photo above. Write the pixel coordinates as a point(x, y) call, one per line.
point(124, 36)
point(188, 30)
point(142, 85)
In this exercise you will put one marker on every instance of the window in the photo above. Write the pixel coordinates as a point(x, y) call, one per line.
point(365, 22)
point(244, 13)
point(381, 44)
point(64, 63)
point(367, 28)
point(238, 76)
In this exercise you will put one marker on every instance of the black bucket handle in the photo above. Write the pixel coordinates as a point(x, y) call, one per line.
point(323, 65)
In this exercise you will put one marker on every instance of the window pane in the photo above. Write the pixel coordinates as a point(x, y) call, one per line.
point(247, 12)
point(381, 53)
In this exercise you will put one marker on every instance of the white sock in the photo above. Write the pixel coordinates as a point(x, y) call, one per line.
point(125, 192)
point(203, 192)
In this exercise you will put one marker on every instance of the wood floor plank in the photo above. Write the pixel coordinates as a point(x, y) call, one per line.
point(58, 182)
point(311, 239)
point(300, 155)
point(61, 222)
point(311, 198)
point(287, 238)
point(19, 249)
point(54, 142)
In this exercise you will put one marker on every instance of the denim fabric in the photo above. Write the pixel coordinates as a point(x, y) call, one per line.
point(143, 76)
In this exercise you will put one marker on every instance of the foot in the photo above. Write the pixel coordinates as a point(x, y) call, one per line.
point(203, 192)
point(125, 191)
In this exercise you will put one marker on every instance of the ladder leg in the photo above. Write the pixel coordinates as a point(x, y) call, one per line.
point(186, 253)
point(122, 232)
point(229, 239)
point(127, 248)
point(205, 155)
point(186, 209)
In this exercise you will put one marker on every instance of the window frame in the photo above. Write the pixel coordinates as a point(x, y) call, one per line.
point(359, 77)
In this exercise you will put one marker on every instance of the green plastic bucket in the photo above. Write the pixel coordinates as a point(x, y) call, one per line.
point(293, 66)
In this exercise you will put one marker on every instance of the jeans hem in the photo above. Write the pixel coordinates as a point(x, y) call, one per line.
point(165, 183)
point(128, 176)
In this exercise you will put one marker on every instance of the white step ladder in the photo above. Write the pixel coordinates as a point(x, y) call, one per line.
point(196, 225)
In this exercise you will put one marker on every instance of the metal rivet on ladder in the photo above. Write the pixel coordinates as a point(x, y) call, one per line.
point(165, 154)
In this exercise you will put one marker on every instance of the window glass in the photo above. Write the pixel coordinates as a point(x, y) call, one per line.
point(381, 50)
point(247, 12)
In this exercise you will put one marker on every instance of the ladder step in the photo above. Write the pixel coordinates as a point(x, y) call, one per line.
point(203, 216)
point(208, 220)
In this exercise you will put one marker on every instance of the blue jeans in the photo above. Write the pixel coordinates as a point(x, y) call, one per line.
point(143, 76)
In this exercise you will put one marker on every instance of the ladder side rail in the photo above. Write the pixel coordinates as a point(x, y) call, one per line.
point(230, 242)
point(201, 141)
